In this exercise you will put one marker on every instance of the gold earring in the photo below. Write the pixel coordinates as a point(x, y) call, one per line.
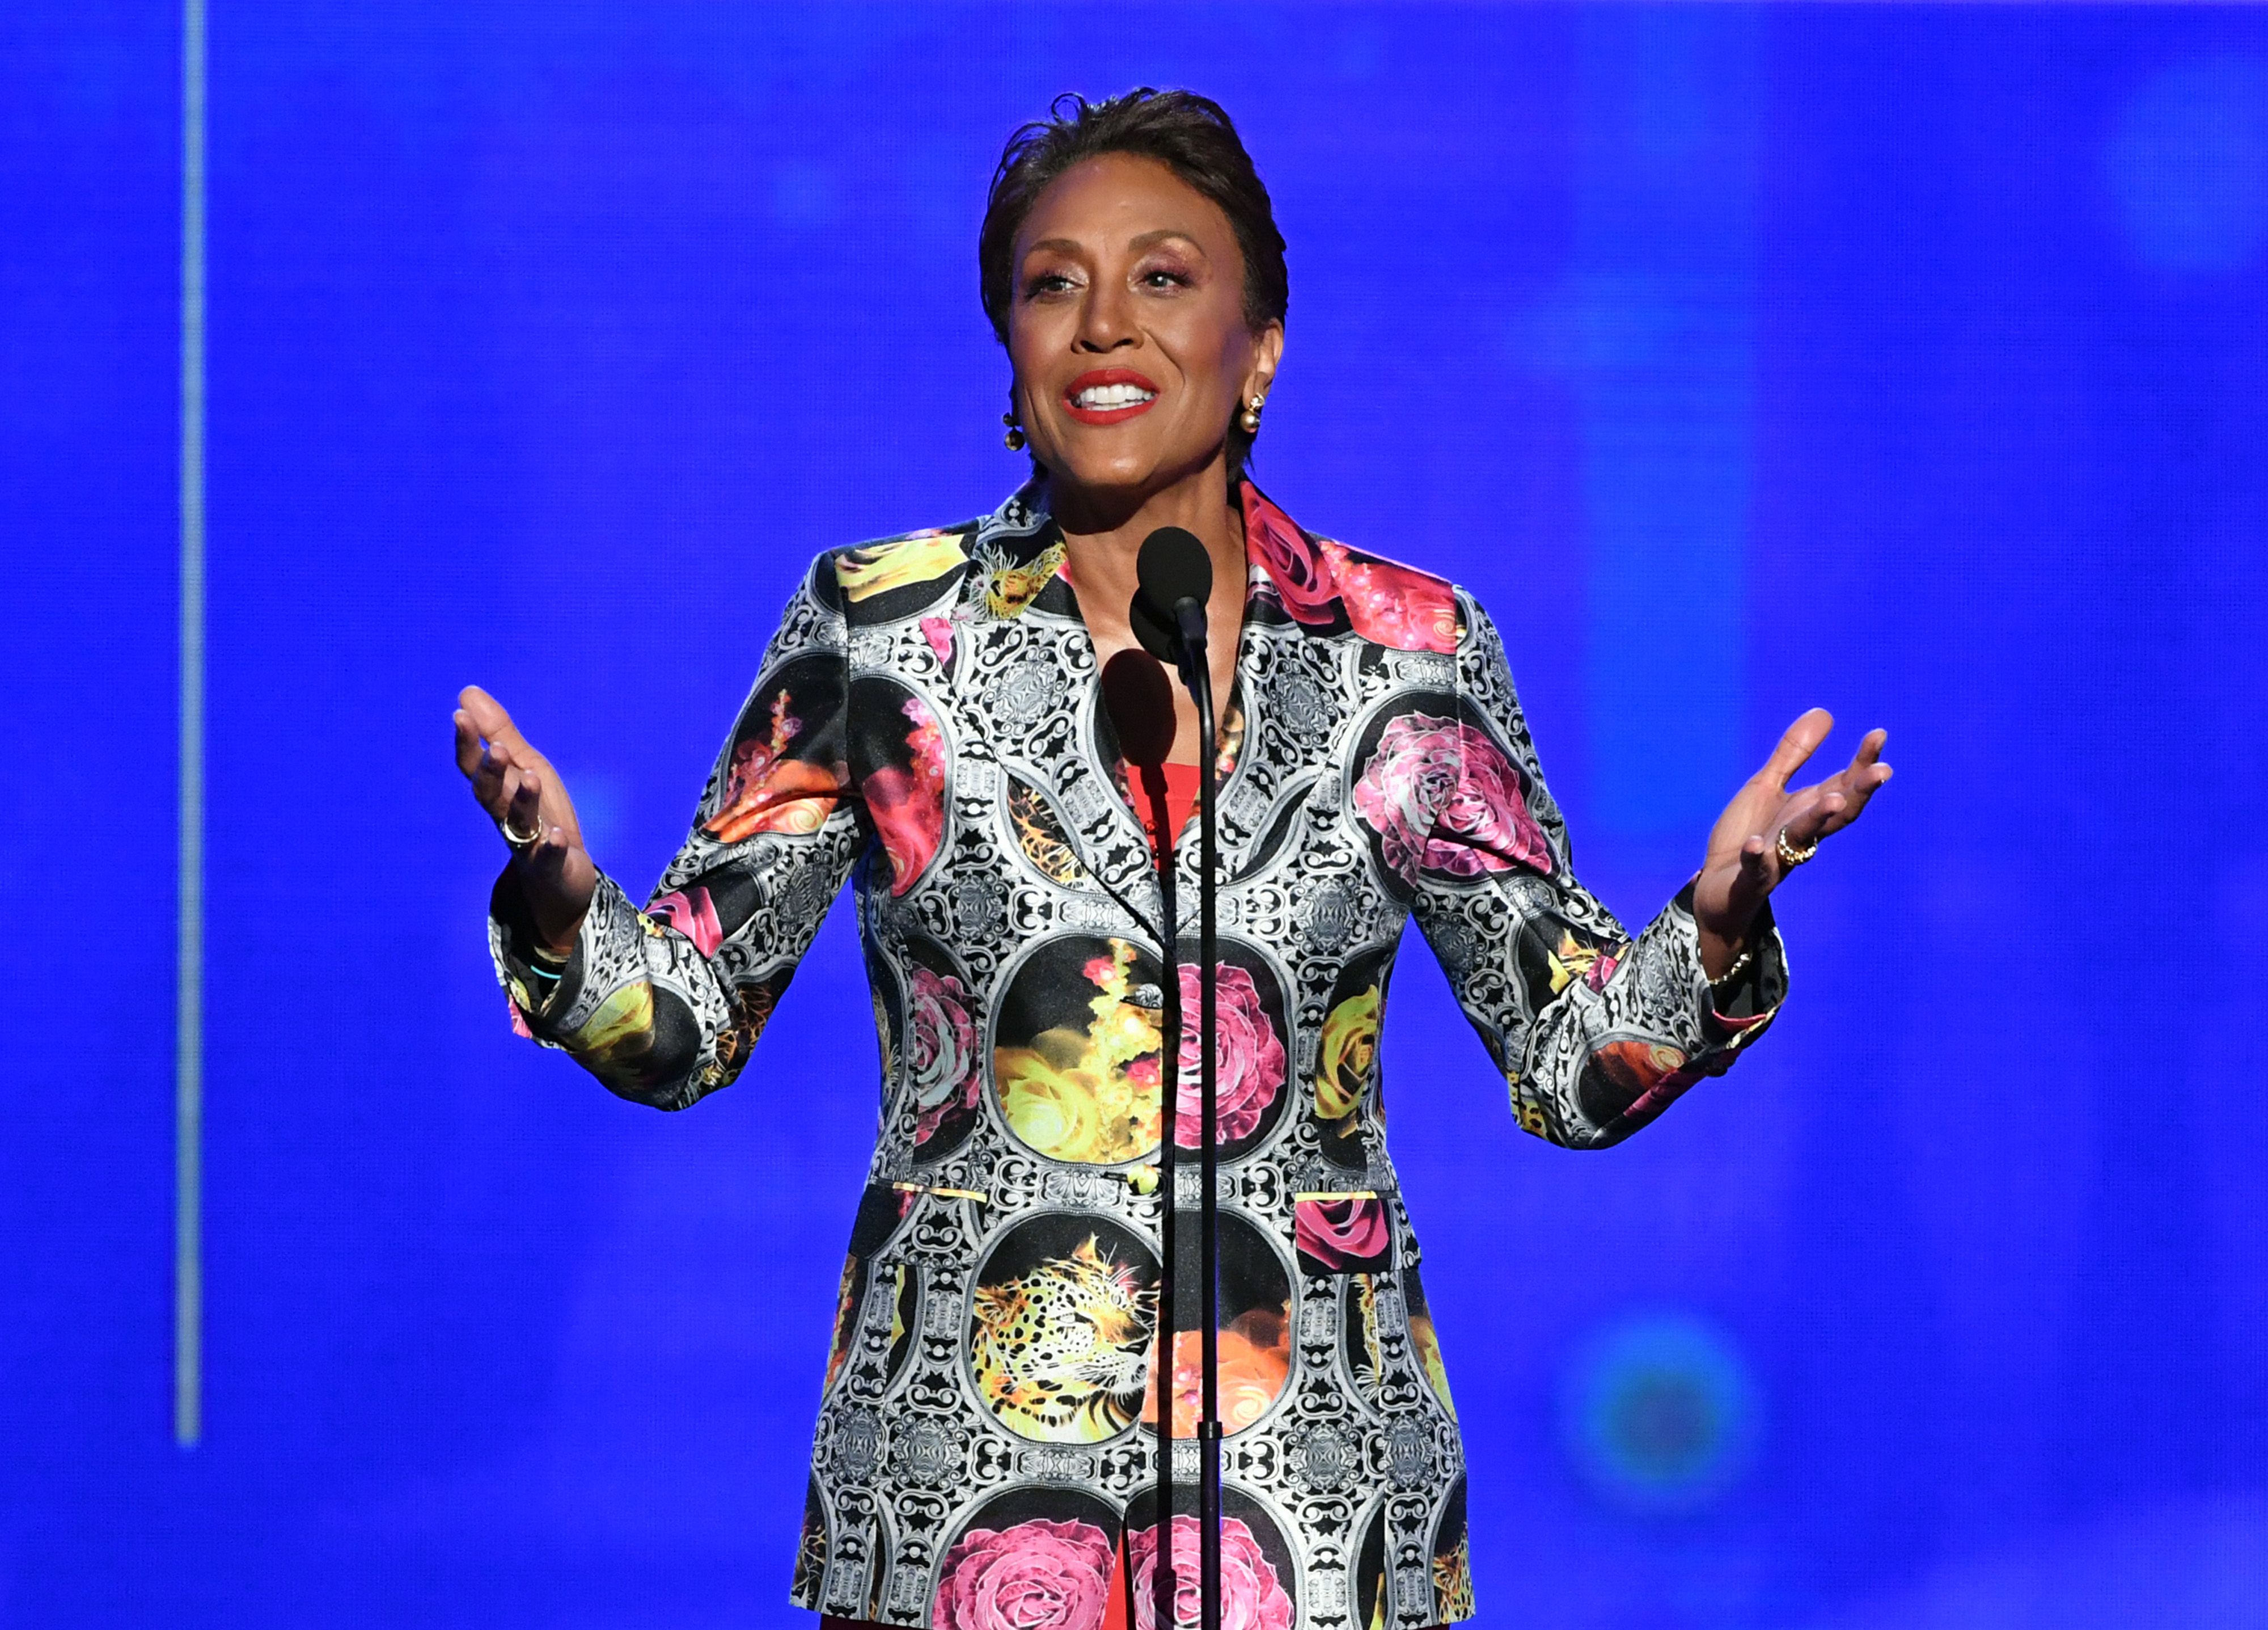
point(1250, 417)
point(1015, 436)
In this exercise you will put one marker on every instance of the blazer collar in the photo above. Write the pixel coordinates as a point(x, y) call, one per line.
point(1317, 582)
point(1290, 577)
point(1018, 549)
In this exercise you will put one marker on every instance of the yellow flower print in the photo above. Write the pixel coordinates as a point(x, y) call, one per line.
point(923, 557)
point(1570, 962)
point(1348, 1054)
point(1088, 1096)
point(1593, 965)
point(623, 1021)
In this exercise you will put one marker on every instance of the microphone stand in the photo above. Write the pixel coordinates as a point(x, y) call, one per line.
point(1196, 673)
point(1164, 1581)
point(1175, 573)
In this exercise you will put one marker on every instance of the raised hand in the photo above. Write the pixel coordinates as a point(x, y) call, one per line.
point(523, 795)
point(1767, 830)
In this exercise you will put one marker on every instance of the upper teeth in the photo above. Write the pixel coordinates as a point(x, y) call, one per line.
point(1113, 395)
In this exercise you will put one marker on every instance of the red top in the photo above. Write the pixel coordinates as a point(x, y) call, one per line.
point(1181, 797)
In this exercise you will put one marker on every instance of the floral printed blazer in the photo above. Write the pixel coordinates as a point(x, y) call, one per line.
point(927, 719)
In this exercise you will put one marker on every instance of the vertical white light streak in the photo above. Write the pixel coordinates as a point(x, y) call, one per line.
point(188, 1025)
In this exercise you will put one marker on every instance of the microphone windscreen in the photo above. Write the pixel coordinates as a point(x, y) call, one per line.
point(1154, 629)
point(1172, 567)
point(1140, 702)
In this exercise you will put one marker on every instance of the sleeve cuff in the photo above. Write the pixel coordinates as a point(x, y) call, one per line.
point(1735, 1015)
point(543, 991)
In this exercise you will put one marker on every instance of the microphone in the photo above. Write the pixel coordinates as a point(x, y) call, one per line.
point(1167, 612)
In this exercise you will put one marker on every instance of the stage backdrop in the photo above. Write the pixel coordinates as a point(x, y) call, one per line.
point(1910, 361)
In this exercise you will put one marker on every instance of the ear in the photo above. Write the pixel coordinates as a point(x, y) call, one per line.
point(1268, 356)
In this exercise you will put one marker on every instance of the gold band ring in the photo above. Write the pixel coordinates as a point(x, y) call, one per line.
point(522, 842)
point(1790, 856)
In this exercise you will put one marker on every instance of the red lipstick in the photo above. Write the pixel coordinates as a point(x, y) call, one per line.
point(1097, 379)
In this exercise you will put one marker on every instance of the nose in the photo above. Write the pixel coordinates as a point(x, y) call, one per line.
point(1106, 322)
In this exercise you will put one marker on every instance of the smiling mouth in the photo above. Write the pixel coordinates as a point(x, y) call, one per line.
point(1108, 396)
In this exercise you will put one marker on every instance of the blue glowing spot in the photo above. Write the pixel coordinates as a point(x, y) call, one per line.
point(2187, 165)
point(600, 808)
point(1660, 1413)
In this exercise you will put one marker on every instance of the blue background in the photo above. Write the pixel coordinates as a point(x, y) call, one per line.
point(1913, 361)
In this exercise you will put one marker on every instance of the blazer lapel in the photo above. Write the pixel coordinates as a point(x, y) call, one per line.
point(1035, 683)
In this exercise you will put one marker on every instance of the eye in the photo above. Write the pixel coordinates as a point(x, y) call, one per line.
point(1046, 283)
point(1165, 277)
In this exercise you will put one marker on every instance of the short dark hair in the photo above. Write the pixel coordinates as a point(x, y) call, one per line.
point(1190, 134)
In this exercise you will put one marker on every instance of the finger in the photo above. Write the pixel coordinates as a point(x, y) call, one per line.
point(546, 859)
point(1800, 740)
point(489, 717)
point(1860, 780)
point(468, 743)
point(1815, 818)
point(1756, 868)
point(527, 804)
point(499, 805)
point(1859, 785)
point(490, 773)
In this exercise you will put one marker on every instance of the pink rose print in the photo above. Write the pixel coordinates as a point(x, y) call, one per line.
point(1248, 1058)
point(693, 914)
point(941, 1051)
point(938, 632)
point(1443, 799)
point(1298, 568)
point(1334, 1236)
point(1638, 1067)
point(907, 806)
point(1394, 605)
point(1252, 1597)
point(1036, 1575)
point(1318, 579)
point(1648, 1076)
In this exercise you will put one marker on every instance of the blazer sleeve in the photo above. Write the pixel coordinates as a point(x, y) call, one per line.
point(664, 1003)
point(1595, 1033)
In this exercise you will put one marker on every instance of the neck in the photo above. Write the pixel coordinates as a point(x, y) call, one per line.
point(1104, 528)
point(1103, 533)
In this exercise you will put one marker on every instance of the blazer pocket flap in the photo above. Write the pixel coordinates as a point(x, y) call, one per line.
point(1342, 1231)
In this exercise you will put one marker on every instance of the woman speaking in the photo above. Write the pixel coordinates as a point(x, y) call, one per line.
point(929, 719)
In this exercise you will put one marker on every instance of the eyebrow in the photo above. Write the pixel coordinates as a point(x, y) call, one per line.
point(1143, 241)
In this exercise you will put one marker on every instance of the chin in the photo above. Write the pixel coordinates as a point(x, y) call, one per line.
point(1128, 470)
point(1111, 473)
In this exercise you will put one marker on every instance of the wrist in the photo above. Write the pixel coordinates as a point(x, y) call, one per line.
point(1723, 955)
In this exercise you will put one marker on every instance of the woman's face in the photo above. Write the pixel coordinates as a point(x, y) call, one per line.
point(1126, 327)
